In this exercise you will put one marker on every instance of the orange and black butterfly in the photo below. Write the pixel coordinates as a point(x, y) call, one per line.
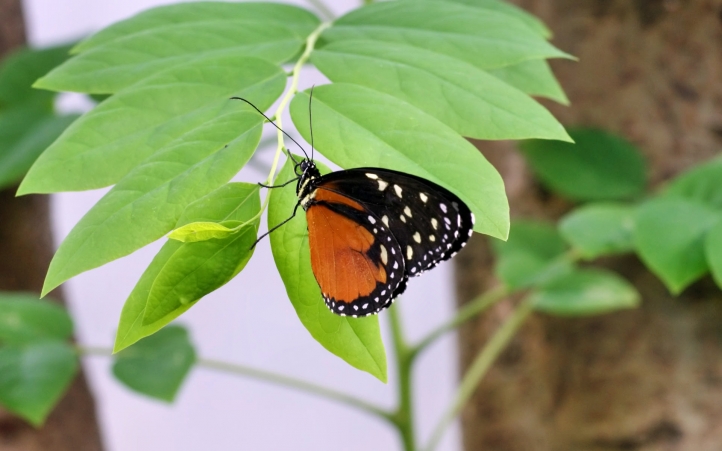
point(371, 229)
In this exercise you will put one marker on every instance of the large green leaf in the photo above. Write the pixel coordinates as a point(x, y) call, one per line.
point(585, 292)
point(599, 229)
point(232, 201)
point(532, 255)
point(465, 98)
point(485, 38)
point(199, 268)
point(19, 71)
point(600, 166)
point(502, 6)
point(357, 127)
point(713, 252)
point(188, 101)
point(165, 37)
point(702, 183)
point(24, 318)
point(355, 340)
point(157, 365)
point(533, 77)
point(669, 236)
point(24, 135)
point(34, 376)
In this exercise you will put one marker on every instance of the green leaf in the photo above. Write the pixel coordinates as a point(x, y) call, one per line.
point(24, 135)
point(33, 377)
point(187, 102)
point(702, 183)
point(231, 201)
point(599, 229)
point(533, 77)
point(600, 166)
point(465, 98)
point(713, 252)
point(669, 236)
point(200, 231)
point(533, 254)
point(156, 366)
point(25, 318)
point(165, 37)
point(585, 292)
point(199, 268)
point(485, 38)
point(355, 340)
point(507, 8)
point(357, 127)
point(19, 71)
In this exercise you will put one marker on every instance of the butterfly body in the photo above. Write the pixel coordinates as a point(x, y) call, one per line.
point(371, 229)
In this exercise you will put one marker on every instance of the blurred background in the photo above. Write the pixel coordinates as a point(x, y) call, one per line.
point(248, 321)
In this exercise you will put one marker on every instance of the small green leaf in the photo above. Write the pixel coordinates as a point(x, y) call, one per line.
point(357, 127)
point(19, 71)
point(600, 166)
point(190, 101)
point(669, 235)
point(33, 377)
point(585, 292)
point(165, 37)
point(200, 231)
point(24, 135)
point(157, 365)
point(713, 252)
point(485, 38)
point(702, 183)
point(533, 77)
point(599, 229)
point(175, 267)
point(25, 318)
point(502, 6)
point(533, 254)
point(465, 98)
point(355, 340)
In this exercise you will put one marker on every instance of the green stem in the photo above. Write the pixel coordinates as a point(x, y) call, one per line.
point(464, 314)
point(479, 367)
point(270, 377)
point(403, 417)
point(322, 8)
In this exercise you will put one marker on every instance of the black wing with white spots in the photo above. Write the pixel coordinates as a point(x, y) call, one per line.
point(430, 223)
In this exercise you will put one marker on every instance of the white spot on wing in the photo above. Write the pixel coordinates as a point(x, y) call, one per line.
point(403, 218)
point(384, 255)
point(434, 223)
point(409, 252)
point(443, 208)
point(423, 197)
point(396, 265)
point(382, 185)
point(372, 176)
point(407, 211)
point(432, 238)
point(398, 190)
point(385, 220)
point(417, 237)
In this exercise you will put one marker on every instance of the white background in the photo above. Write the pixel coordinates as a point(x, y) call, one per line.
point(249, 321)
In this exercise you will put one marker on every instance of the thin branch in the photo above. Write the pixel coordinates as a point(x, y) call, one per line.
point(403, 417)
point(322, 8)
point(479, 367)
point(464, 314)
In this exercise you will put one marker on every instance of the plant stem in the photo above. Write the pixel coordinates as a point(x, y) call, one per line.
point(403, 417)
point(295, 75)
point(464, 314)
point(479, 367)
point(322, 8)
point(270, 377)
point(290, 382)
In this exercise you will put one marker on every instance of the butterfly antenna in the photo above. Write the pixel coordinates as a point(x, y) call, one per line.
point(310, 122)
point(274, 124)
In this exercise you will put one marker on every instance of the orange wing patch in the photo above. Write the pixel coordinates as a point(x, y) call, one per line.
point(339, 252)
point(325, 195)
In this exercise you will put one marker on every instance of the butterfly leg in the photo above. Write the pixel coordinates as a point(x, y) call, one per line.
point(278, 186)
point(277, 225)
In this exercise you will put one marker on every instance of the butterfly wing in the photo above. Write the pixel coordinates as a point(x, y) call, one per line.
point(429, 223)
point(355, 258)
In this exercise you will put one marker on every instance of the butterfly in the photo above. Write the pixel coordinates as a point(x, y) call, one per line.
point(371, 229)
